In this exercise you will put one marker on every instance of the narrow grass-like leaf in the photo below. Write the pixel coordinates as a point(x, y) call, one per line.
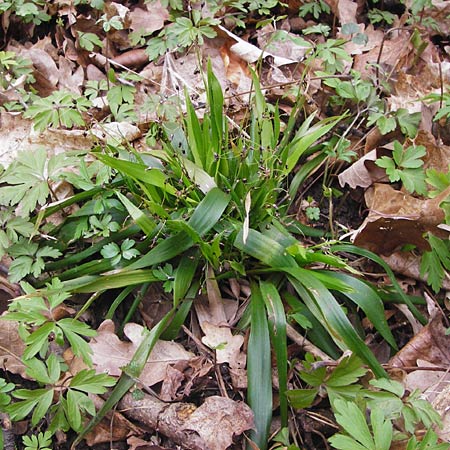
point(215, 101)
point(335, 321)
point(370, 255)
point(209, 211)
point(183, 276)
point(80, 198)
point(153, 177)
point(173, 328)
point(122, 278)
point(265, 249)
point(118, 300)
point(194, 133)
point(277, 320)
point(369, 301)
point(259, 371)
point(204, 181)
point(304, 172)
point(317, 333)
point(91, 250)
point(144, 222)
point(306, 137)
point(205, 216)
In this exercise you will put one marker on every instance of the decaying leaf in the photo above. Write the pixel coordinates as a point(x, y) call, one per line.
point(119, 132)
point(213, 322)
point(211, 426)
point(358, 174)
point(122, 428)
point(110, 353)
point(148, 20)
point(397, 218)
point(11, 348)
point(431, 345)
point(407, 264)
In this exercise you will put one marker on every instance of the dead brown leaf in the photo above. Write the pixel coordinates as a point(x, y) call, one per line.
point(359, 175)
point(397, 218)
point(110, 353)
point(345, 10)
point(148, 21)
point(407, 264)
point(214, 324)
point(211, 426)
point(11, 348)
point(431, 344)
point(114, 426)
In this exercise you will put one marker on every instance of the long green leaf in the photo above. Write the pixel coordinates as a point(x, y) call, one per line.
point(209, 211)
point(194, 134)
point(183, 276)
point(370, 255)
point(119, 279)
point(144, 222)
point(317, 333)
point(205, 216)
point(306, 137)
point(277, 320)
point(259, 371)
point(335, 321)
point(153, 177)
point(369, 301)
point(265, 249)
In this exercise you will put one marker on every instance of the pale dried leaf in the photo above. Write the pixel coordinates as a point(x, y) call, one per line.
point(250, 53)
point(211, 426)
point(119, 132)
point(110, 353)
point(149, 21)
point(397, 218)
point(11, 348)
point(104, 432)
point(430, 344)
point(227, 346)
point(407, 264)
point(357, 175)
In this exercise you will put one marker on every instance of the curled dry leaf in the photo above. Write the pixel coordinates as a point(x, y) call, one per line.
point(397, 218)
point(110, 353)
point(251, 53)
point(14, 132)
point(122, 428)
point(143, 20)
point(345, 10)
point(407, 264)
point(120, 132)
point(358, 174)
point(431, 344)
point(11, 348)
point(211, 426)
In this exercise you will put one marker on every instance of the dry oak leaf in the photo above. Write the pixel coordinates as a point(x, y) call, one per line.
point(110, 353)
point(430, 344)
point(397, 218)
point(211, 426)
point(358, 174)
point(345, 10)
point(11, 348)
point(149, 21)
